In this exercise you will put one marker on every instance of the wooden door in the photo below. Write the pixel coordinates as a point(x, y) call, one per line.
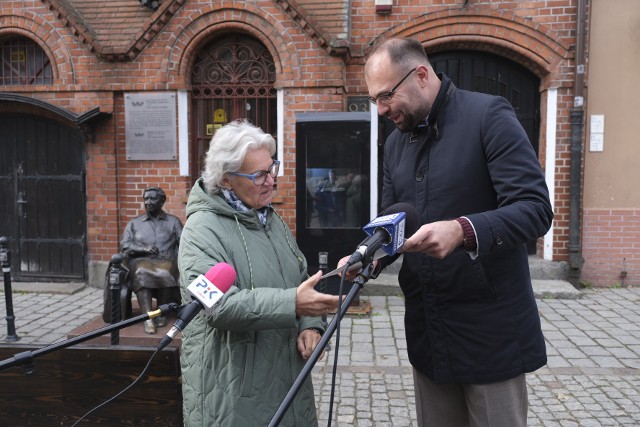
point(43, 208)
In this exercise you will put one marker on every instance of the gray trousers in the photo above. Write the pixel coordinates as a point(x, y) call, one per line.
point(501, 404)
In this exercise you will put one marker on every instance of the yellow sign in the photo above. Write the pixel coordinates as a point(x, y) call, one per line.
point(220, 116)
point(18, 56)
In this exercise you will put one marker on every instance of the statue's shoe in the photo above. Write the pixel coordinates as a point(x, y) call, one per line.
point(149, 327)
point(161, 321)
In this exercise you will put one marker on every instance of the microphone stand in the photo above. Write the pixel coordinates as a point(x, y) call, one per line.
point(26, 358)
point(360, 281)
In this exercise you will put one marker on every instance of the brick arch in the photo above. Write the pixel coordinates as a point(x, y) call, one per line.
point(535, 46)
point(273, 36)
point(54, 47)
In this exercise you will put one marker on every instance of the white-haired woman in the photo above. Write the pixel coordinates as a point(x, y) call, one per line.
point(239, 363)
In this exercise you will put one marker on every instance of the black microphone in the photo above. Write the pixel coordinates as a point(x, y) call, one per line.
point(386, 232)
point(206, 292)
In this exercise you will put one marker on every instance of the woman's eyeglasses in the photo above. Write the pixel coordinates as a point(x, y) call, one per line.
point(260, 177)
point(385, 98)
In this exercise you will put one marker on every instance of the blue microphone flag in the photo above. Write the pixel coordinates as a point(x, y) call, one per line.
point(394, 225)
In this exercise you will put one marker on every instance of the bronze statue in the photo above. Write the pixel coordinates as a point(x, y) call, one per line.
point(150, 245)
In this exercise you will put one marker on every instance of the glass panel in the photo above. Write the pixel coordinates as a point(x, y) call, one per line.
point(23, 63)
point(334, 198)
point(336, 181)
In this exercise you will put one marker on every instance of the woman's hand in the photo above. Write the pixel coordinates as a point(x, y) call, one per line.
point(350, 275)
point(310, 302)
point(307, 342)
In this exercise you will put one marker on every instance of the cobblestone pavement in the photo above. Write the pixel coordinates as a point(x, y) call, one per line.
point(592, 378)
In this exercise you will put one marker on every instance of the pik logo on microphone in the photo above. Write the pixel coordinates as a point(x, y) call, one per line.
point(394, 225)
point(205, 291)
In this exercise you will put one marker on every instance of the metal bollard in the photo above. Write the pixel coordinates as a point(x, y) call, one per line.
point(323, 265)
point(5, 259)
point(116, 277)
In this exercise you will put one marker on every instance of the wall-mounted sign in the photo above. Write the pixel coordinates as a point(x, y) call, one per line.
point(357, 104)
point(150, 125)
point(18, 56)
point(220, 116)
point(596, 138)
point(219, 120)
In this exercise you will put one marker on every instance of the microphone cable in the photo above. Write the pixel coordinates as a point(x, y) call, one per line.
point(335, 357)
point(140, 376)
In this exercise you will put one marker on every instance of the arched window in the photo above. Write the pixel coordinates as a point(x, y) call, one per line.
point(232, 78)
point(23, 63)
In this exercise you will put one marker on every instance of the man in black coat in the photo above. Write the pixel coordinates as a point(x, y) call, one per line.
point(465, 162)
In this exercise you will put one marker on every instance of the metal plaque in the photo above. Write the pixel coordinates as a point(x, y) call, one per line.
point(150, 126)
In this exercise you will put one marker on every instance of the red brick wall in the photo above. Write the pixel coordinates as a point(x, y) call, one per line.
point(611, 247)
point(115, 186)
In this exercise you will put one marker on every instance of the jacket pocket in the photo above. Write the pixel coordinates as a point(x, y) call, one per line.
point(482, 290)
point(247, 374)
point(240, 361)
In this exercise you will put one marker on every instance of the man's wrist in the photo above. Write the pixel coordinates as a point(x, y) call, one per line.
point(469, 243)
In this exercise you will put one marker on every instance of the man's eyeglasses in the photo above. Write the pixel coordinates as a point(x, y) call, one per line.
point(260, 177)
point(386, 97)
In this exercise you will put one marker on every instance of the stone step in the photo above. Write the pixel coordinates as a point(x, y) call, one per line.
point(547, 270)
point(387, 284)
point(539, 268)
point(548, 279)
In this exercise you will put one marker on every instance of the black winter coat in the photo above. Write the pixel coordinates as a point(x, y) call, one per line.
point(471, 321)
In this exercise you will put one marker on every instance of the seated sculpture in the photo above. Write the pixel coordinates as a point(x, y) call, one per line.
point(150, 248)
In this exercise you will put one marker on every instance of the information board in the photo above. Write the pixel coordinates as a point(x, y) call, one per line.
point(150, 126)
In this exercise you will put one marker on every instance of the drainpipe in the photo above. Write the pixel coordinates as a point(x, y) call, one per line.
point(577, 121)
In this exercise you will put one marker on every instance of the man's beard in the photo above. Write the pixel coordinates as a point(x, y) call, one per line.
point(411, 120)
point(408, 124)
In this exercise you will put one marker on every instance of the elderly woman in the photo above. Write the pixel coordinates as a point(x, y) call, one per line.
point(239, 363)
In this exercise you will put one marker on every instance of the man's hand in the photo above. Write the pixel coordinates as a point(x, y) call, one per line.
point(310, 302)
point(437, 239)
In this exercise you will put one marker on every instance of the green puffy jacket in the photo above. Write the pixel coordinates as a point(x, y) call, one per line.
point(239, 363)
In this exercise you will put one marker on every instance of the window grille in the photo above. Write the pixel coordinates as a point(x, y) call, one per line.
point(232, 78)
point(24, 63)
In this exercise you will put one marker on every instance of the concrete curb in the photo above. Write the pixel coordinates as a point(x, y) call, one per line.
point(66, 288)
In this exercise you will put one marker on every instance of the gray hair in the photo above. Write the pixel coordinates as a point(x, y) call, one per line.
point(228, 149)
